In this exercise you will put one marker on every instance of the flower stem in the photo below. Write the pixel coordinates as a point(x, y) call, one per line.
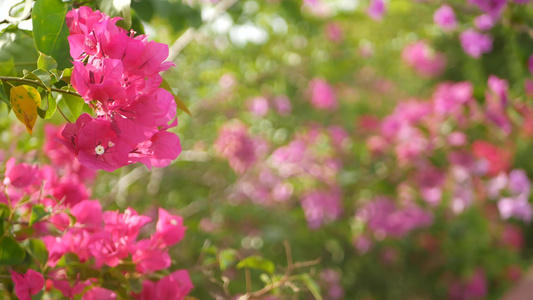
point(34, 82)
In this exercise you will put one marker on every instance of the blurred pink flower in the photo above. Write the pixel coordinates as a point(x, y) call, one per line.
point(98, 293)
point(322, 95)
point(258, 106)
point(484, 22)
point(283, 105)
point(445, 18)
point(475, 43)
point(424, 60)
point(322, 206)
point(334, 32)
point(376, 9)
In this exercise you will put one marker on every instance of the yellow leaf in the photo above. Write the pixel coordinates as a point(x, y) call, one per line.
point(25, 99)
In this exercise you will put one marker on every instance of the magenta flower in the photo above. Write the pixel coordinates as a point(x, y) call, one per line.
point(96, 144)
point(484, 22)
point(424, 60)
point(475, 43)
point(27, 284)
point(258, 106)
point(238, 147)
point(491, 7)
point(98, 293)
point(322, 206)
point(445, 18)
point(88, 213)
point(68, 290)
point(334, 32)
point(169, 229)
point(376, 9)
point(171, 287)
point(322, 95)
point(20, 175)
point(283, 105)
point(148, 260)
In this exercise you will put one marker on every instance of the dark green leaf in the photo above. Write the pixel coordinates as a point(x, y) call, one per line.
point(50, 31)
point(257, 262)
point(3, 95)
point(11, 253)
point(46, 62)
point(17, 52)
point(117, 8)
point(38, 250)
point(37, 213)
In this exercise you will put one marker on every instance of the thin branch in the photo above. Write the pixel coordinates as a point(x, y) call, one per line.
point(61, 112)
point(35, 82)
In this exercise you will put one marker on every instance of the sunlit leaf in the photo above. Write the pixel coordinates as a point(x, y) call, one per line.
point(74, 104)
point(38, 250)
point(50, 31)
point(25, 99)
point(46, 62)
point(226, 258)
point(17, 52)
point(37, 213)
point(257, 262)
point(3, 95)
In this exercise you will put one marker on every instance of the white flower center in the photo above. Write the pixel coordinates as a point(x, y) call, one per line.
point(111, 144)
point(174, 222)
point(99, 150)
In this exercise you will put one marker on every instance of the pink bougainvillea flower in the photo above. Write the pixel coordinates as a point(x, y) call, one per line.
point(98, 293)
point(334, 32)
point(68, 290)
point(322, 94)
point(283, 105)
point(148, 260)
point(20, 175)
point(376, 9)
point(169, 229)
point(105, 250)
point(124, 226)
point(491, 7)
point(499, 159)
point(258, 106)
point(96, 144)
point(237, 146)
point(88, 213)
point(475, 43)
point(484, 22)
point(445, 18)
point(171, 287)
point(99, 80)
point(28, 284)
point(322, 207)
point(424, 60)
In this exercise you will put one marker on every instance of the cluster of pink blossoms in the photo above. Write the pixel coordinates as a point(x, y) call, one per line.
point(97, 237)
point(117, 74)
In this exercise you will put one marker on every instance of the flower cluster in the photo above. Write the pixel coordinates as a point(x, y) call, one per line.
point(73, 223)
point(117, 74)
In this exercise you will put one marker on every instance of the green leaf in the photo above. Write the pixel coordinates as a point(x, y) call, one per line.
point(74, 104)
point(4, 213)
point(50, 32)
point(226, 258)
point(181, 105)
point(135, 284)
point(311, 285)
point(52, 107)
point(46, 62)
point(117, 8)
point(37, 213)
point(45, 77)
point(3, 95)
point(257, 262)
point(11, 253)
point(38, 250)
point(17, 52)
point(65, 75)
